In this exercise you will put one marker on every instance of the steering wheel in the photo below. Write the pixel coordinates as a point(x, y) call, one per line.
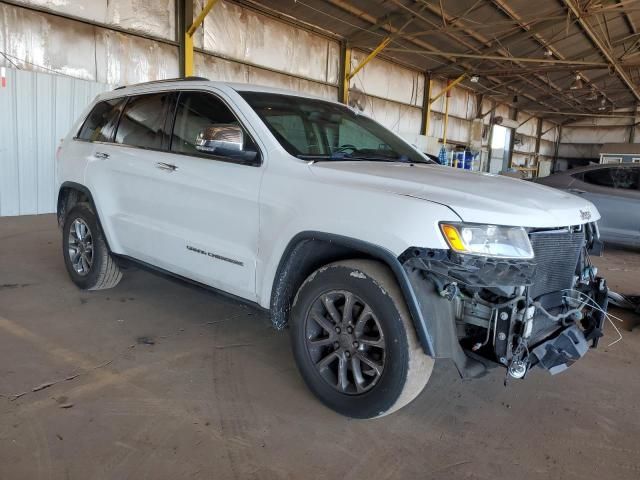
point(345, 147)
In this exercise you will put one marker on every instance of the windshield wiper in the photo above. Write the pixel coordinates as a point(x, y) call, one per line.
point(383, 158)
point(333, 156)
point(348, 156)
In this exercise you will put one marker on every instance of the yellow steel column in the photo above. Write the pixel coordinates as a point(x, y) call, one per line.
point(346, 77)
point(446, 116)
point(371, 56)
point(432, 100)
point(188, 55)
point(349, 74)
point(428, 112)
point(188, 37)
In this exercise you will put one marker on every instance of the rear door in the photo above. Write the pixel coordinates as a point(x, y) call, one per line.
point(96, 130)
point(212, 204)
point(130, 179)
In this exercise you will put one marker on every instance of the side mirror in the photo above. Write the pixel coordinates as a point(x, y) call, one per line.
point(225, 137)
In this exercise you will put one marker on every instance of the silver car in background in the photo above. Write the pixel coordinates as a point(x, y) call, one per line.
point(614, 189)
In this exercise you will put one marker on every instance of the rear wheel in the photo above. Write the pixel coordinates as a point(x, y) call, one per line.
point(354, 342)
point(86, 256)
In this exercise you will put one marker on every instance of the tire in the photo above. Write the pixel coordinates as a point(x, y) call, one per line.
point(388, 367)
point(99, 271)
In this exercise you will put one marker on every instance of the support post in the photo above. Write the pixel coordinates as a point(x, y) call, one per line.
point(492, 116)
point(184, 15)
point(557, 149)
point(426, 105)
point(632, 127)
point(188, 55)
point(345, 74)
point(479, 100)
point(446, 117)
point(348, 73)
point(188, 35)
point(537, 147)
point(381, 46)
point(431, 100)
point(512, 139)
point(449, 86)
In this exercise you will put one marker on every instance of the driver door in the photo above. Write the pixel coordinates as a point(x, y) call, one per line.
point(213, 195)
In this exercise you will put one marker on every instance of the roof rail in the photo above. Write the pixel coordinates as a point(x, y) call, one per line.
point(185, 79)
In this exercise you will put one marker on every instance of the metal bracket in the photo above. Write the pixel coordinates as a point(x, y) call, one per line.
point(188, 37)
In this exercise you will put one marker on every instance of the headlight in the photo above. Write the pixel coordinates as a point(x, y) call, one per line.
point(487, 240)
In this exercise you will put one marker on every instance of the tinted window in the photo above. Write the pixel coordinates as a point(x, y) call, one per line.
point(625, 178)
point(615, 177)
point(196, 115)
point(143, 120)
point(99, 125)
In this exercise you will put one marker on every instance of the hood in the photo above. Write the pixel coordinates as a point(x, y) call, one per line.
point(475, 197)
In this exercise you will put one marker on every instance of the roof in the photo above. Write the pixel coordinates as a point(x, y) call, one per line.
point(597, 166)
point(532, 50)
point(620, 149)
point(185, 83)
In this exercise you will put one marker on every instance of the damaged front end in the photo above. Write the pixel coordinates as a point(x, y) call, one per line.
point(482, 311)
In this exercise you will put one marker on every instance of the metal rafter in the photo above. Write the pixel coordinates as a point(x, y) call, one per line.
point(487, 42)
point(476, 36)
point(591, 35)
point(501, 4)
point(425, 47)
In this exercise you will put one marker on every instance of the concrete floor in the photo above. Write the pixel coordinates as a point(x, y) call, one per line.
point(176, 382)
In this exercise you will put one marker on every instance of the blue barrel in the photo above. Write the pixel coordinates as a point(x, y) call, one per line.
point(468, 159)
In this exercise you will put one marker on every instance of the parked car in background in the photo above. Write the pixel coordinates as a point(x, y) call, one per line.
point(615, 190)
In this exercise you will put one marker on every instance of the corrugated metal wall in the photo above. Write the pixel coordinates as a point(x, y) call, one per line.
point(36, 111)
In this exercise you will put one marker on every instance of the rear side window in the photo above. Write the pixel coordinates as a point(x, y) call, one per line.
point(602, 177)
point(144, 119)
point(101, 122)
point(615, 177)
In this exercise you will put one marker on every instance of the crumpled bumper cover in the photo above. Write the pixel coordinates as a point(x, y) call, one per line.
point(560, 352)
point(472, 270)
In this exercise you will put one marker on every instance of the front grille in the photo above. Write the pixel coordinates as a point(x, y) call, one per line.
point(556, 256)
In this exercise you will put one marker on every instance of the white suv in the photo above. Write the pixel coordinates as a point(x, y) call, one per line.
point(378, 259)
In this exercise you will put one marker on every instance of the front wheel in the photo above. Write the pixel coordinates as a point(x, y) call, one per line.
point(354, 342)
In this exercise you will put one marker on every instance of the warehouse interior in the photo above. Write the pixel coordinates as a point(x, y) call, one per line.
point(160, 379)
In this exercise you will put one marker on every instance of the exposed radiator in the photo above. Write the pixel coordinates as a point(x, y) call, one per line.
point(556, 256)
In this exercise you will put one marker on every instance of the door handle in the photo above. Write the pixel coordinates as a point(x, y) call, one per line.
point(169, 167)
point(101, 155)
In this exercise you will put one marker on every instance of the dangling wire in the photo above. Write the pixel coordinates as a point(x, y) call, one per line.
point(607, 315)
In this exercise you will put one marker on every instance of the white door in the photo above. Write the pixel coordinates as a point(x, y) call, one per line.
point(211, 206)
point(129, 179)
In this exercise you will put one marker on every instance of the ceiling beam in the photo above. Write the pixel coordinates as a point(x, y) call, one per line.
point(590, 33)
point(500, 58)
point(425, 47)
point(495, 46)
point(502, 5)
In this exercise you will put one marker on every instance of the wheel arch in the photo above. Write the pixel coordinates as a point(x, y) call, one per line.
point(71, 193)
point(309, 250)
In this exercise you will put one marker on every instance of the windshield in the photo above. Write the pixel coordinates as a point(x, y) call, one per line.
point(318, 130)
